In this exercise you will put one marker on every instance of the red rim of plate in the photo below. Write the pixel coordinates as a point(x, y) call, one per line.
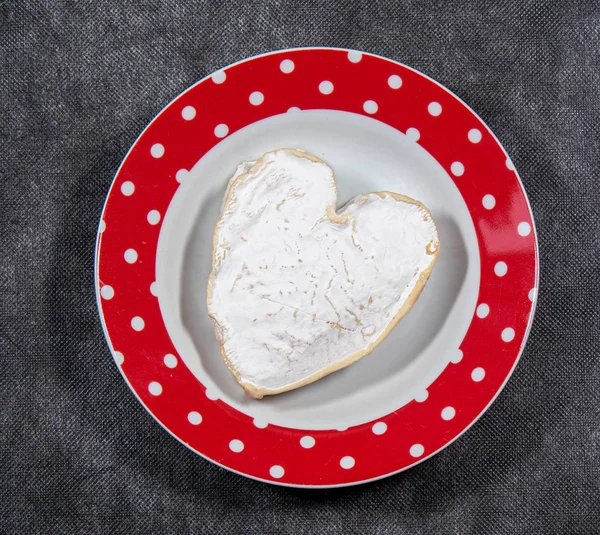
point(271, 84)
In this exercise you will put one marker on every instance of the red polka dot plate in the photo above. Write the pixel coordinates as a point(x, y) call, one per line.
point(381, 126)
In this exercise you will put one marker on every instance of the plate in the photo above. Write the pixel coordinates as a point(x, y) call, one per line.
point(381, 126)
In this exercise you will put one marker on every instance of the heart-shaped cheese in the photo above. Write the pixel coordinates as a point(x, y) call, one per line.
point(298, 290)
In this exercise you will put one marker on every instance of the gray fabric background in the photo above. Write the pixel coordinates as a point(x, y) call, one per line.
point(80, 80)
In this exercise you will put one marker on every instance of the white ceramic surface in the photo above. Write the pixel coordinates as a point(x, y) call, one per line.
point(366, 155)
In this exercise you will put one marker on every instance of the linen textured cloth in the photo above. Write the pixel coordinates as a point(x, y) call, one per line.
point(79, 80)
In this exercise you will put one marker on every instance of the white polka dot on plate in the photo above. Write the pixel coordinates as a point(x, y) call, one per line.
point(236, 445)
point(434, 108)
point(326, 87)
point(102, 226)
point(256, 98)
point(500, 269)
point(287, 66)
point(394, 81)
point(474, 135)
point(181, 175)
point(531, 294)
point(154, 289)
point(131, 256)
point(153, 217)
point(379, 428)
point(221, 130)
point(276, 471)
point(157, 150)
point(307, 442)
point(354, 56)
point(483, 310)
point(211, 394)
point(195, 418)
point(524, 228)
point(448, 413)
point(261, 423)
point(509, 164)
point(488, 201)
point(107, 292)
point(416, 450)
point(508, 334)
point(456, 356)
point(294, 109)
point(370, 107)
point(219, 77)
point(127, 188)
point(170, 360)
point(478, 374)
point(342, 428)
point(421, 396)
point(413, 134)
point(347, 462)
point(137, 323)
point(188, 113)
point(155, 388)
point(119, 358)
point(457, 169)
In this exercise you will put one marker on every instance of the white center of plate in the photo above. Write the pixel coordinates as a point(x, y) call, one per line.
point(366, 155)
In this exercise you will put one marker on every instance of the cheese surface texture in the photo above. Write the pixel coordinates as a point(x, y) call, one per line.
point(298, 290)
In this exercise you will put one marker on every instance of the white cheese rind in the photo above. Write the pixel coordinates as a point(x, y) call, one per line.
point(298, 290)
